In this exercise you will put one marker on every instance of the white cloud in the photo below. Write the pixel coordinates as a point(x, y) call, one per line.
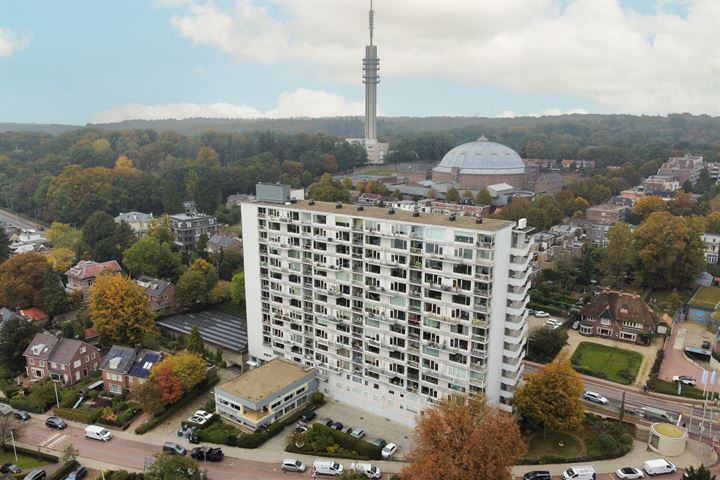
point(551, 111)
point(11, 42)
point(620, 59)
point(299, 103)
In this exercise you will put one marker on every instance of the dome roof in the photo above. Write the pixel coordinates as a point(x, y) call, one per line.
point(482, 157)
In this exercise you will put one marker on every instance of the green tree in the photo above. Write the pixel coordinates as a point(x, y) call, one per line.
point(237, 289)
point(21, 280)
point(452, 195)
point(228, 264)
point(467, 195)
point(15, 335)
point(69, 453)
point(545, 343)
point(196, 283)
point(397, 195)
point(551, 398)
point(328, 190)
point(150, 256)
point(62, 235)
point(98, 237)
point(54, 298)
point(4, 246)
point(619, 256)
point(160, 229)
point(194, 342)
point(483, 197)
point(700, 473)
point(174, 467)
point(149, 395)
point(201, 247)
point(712, 222)
point(431, 193)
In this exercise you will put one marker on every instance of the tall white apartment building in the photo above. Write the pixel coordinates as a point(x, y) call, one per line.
point(396, 309)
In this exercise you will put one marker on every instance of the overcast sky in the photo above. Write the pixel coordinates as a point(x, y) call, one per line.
point(103, 61)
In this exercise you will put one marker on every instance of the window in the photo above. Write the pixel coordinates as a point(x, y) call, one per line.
point(76, 364)
point(31, 361)
point(114, 388)
point(42, 363)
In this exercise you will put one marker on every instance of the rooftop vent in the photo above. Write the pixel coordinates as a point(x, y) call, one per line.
point(416, 213)
point(391, 211)
point(478, 220)
point(360, 208)
point(338, 204)
point(451, 218)
point(311, 202)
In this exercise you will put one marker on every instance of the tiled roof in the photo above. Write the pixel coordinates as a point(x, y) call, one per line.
point(219, 328)
point(118, 359)
point(65, 350)
point(621, 307)
point(35, 313)
point(152, 286)
point(224, 241)
point(41, 346)
point(89, 269)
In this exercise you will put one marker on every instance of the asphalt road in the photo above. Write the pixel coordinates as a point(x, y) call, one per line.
point(9, 217)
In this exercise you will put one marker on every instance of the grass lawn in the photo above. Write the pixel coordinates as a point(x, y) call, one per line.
point(615, 364)
point(23, 461)
point(539, 446)
point(707, 297)
point(671, 388)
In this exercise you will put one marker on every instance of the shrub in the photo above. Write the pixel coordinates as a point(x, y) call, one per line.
point(82, 415)
point(63, 471)
point(317, 397)
point(607, 442)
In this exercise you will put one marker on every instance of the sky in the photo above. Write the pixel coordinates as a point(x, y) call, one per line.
point(101, 61)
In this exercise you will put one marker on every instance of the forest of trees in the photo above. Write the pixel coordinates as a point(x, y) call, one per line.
point(68, 176)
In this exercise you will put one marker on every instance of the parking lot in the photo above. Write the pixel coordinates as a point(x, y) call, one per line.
point(374, 426)
point(536, 322)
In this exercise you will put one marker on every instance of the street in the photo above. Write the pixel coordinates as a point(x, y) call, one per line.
point(10, 218)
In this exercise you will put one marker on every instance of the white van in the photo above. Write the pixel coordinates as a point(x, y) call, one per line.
point(327, 467)
point(579, 473)
point(370, 470)
point(98, 433)
point(658, 466)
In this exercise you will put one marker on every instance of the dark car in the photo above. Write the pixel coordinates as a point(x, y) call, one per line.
point(22, 415)
point(209, 454)
point(308, 417)
point(706, 345)
point(338, 426)
point(55, 422)
point(10, 468)
point(379, 442)
point(537, 475)
point(77, 474)
point(328, 422)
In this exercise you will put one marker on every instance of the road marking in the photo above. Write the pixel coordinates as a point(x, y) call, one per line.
point(49, 439)
point(680, 339)
point(56, 442)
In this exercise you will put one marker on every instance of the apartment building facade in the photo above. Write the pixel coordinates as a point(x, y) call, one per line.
point(394, 309)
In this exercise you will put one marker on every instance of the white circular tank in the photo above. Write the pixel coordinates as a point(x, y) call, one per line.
point(667, 439)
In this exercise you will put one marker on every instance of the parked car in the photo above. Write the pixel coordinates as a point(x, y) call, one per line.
point(368, 469)
point(77, 474)
point(379, 442)
point(38, 474)
point(537, 475)
point(200, 417)
point(595, 397)
point(328, 422)
point(357, 433)
point(553, 324)
point(292, 465)
point(684, 379)
point(389, 450)
point(308, 417)
point(174, 448)
point(10, 468)
point(656, 467)
point(541, 314)
point(531, 311)
point(576, 325)
point(337, 426)
point(629, 473)
point(22, 415)
point(210, 454)
point(55, 422)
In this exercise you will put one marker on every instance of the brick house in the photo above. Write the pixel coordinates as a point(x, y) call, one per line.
point(161, 294)
point(83, 275)
point(125, 367)
point(61, 359)
point(618, 315)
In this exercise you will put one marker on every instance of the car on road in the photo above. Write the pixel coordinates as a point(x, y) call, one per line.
point(174, 448)
point(537, 475)
point(55, 422)
point(292, 465)
point(541, 314)
point(684, 379)
point(38, 474)
point(629, 473)
point(595, 397)
point(308, 417)
point(357, 433)
point(389, 450)
point(10, 468)
point(22, 415)
point(379, 442)
point(77, 474)
point(337, 426)
point(210, 454)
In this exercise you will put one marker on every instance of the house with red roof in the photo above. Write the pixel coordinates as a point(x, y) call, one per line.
point(83, 275)
point(35, 314)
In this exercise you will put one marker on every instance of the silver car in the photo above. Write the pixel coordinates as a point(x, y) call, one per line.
point(292, 465)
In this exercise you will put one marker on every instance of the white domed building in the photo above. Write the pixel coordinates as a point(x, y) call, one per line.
point(482, 163)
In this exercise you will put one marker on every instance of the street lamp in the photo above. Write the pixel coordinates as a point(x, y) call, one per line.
point(12, 437)
point(57, 400)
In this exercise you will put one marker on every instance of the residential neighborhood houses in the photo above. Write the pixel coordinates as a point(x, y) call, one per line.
point(60, 359)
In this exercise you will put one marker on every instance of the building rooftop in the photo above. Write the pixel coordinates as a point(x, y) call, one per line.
point(218, 328)
point(488, 224)
point(118, 359)
point(482, 157)
point(89, 269)
point(263, 382)
point(707, 297)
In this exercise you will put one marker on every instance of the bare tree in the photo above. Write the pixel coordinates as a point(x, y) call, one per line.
point(8, 424)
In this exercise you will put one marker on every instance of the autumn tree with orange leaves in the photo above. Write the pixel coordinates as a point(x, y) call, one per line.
point(463, 437)
point(170, 384)
point(120, 310)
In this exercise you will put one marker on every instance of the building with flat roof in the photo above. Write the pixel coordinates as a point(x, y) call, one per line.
point(139, 222)
point(396, 309)
point(266, 393)
point(189, 226)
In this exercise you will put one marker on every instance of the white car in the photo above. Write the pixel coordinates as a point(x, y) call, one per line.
point(684, 379)
point(389, 450)
point(595, 397)
point(629, 473)
point(553, 324)
point(541, 314)
point(200, 417)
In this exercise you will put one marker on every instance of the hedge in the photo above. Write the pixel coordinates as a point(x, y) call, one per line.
point(124, 419)
point(63, 471)
point(33, 453)
point(23, 403)
point(199, 389)
point(365, 450)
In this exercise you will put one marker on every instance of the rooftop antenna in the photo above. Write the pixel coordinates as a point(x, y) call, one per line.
point(372, 21)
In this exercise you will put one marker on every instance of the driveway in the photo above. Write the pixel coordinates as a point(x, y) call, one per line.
point(676, 362)
point(648, 353)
